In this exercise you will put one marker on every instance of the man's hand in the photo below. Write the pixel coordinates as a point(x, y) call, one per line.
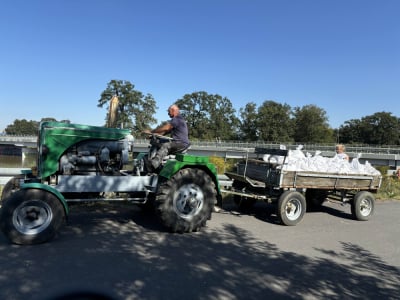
point(147, 131)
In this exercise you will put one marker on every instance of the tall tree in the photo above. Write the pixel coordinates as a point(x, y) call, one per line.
point(380, 128)
point(249, 122)
point(208, 116)
point(135, 110)
point(311, 125)
point(349, 132)
point(274, 122)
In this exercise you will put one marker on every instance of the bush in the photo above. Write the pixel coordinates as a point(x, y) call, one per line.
point(222, 165)
point(390, 188)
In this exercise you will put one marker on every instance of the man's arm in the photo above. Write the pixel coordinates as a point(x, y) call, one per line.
point(163, 129)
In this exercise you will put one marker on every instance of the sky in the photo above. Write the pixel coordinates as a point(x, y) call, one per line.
point(57, 56)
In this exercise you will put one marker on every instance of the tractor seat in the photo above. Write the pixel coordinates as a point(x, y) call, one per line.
point(183, 150)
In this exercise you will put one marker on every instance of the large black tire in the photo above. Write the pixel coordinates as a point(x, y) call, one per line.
point(243, 203)
point(362, 206)
point(291, 208)
point(315, 198)
point(11, 186)
point(31, 216)
point(184, 202)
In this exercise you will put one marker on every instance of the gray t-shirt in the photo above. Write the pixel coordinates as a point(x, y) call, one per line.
point(180, 131)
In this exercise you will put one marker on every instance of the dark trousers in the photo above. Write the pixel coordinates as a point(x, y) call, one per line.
point(166, 149)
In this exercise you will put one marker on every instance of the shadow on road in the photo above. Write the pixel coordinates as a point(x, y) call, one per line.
point(125, 253)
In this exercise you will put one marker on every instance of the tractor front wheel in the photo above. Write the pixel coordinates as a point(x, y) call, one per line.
point(31, 216)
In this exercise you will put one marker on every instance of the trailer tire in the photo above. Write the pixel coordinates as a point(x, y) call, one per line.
point(31, 216)
point(185, 201)
point(362, 206)
point(291, 208)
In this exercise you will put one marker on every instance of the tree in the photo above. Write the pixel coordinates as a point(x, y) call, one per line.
point(132, 105)
point(380, 128)
point(208, 116)
point(274, 122)
point(349, 133)
point(23, 127)
point(248, 124)
point(311, 125)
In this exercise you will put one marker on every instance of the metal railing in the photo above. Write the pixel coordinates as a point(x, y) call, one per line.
point(354, 148)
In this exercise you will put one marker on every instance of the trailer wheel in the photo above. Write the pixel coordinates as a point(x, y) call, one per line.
point(291, 208)
point(315, 198)
point(184, 202)
point(242, 203)
point(362, 206)
point(31, 216)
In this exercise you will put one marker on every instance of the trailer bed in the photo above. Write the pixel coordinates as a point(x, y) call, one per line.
point(272, 175)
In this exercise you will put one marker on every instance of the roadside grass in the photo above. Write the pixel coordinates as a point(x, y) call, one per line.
point(390, 188)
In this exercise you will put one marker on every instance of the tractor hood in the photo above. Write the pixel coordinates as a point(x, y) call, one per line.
point(55, 138)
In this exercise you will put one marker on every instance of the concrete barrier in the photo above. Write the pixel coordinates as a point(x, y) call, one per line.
point(7, 173)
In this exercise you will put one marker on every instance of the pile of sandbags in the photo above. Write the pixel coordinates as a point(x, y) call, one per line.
point(298, 161)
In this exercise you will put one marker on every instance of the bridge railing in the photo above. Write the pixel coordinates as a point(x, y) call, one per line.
point(358, 148)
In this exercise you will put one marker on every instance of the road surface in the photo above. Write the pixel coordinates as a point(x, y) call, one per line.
point(123, 253)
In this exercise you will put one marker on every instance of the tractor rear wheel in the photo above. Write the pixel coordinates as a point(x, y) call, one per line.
point(185, 201)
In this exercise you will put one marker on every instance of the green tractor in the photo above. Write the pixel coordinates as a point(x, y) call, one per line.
point(80, 163)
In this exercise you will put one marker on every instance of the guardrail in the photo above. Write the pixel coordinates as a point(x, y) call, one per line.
point(357, 148)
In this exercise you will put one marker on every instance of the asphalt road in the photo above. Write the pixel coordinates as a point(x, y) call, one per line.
point(121, 252)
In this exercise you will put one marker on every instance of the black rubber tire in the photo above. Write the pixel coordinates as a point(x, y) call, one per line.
point(31, 216)
point(242, 203)
point(291, 208)
point(315, 198)
point(11, 186)
point(362, 206)
point(184, 202)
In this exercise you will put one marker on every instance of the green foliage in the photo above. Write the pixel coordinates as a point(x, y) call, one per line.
point(390, 188)
point(274, 123)
point(383, 169)
point(23, 127)
point(209, 117)
point(311, 125)
point(135, 110)
point(221, 164)
point(249, 122)
point(378, 129)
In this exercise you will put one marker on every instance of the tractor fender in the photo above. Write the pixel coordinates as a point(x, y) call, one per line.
point(41, 186)
point(173, 166)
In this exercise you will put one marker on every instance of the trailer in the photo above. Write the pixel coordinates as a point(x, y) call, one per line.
point(295, 192)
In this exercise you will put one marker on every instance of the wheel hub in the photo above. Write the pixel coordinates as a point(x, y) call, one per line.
point(32, 217)
point(293, 209)
point(188, 200)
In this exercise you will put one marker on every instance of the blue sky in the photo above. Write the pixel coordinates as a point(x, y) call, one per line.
point(56, 57)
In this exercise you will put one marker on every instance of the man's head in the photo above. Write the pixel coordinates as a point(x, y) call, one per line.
point(173, 110)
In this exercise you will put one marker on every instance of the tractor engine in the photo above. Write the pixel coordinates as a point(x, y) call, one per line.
point(96, 157)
